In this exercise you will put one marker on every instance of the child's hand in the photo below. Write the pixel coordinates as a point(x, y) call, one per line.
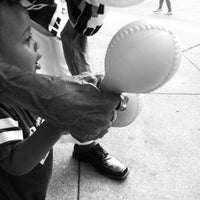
point(93, 108)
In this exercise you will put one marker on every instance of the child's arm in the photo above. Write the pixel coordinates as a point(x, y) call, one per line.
point(29, 152)
point(73, 103)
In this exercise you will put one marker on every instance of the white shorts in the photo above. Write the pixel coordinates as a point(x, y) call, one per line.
point(50, 47)
point(52, 62)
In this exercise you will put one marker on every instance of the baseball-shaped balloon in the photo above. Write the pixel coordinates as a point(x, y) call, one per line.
point(140, 58)
point(127, 116)
point(119, 3)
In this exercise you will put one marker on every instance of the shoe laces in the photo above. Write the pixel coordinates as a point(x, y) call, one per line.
point(100, 151)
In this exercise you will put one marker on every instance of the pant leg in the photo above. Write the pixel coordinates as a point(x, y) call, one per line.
point(168, 5)
point(161, 4)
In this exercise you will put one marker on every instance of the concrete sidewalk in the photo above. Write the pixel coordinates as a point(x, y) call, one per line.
point(162, 147)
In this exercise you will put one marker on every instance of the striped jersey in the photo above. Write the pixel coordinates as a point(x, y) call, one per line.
point(17, 124)
point(86, 16)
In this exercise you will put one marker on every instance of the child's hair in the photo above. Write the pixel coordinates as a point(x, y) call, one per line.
point(10, 2)
point(18, 1)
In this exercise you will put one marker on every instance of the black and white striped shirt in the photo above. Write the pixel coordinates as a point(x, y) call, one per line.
point(16, 125)
point(86, 16)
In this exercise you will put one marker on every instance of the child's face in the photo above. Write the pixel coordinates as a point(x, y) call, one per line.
point(17, 45)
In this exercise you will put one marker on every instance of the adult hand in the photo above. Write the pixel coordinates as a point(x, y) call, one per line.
point(95, 111)
point(73, 103)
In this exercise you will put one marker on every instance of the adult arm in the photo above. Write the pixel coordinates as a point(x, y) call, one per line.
point(75, 48)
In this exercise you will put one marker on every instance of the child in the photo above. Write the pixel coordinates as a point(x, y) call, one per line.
point(74, 103)
point(25, 142)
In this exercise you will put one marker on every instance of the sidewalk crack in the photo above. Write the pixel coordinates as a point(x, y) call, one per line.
point(78, 181)
point(191, 62)
point(189, 48)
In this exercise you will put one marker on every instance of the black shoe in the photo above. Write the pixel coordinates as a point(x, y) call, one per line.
point(102, 161)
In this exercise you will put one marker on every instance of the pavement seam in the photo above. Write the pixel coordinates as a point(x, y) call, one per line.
point(192, 47)
point(191, 62)
point(78, 180)
point(175, 94)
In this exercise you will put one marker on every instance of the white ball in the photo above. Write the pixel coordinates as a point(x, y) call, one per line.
point(134, 107)
point(140, 58)
point(119, 3)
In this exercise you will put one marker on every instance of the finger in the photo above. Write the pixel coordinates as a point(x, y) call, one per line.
point(89, 77)
point(99, 78)
point(123, 102)
point(114, 117)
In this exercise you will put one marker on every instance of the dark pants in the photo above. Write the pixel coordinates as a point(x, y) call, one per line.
point(168, 4)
